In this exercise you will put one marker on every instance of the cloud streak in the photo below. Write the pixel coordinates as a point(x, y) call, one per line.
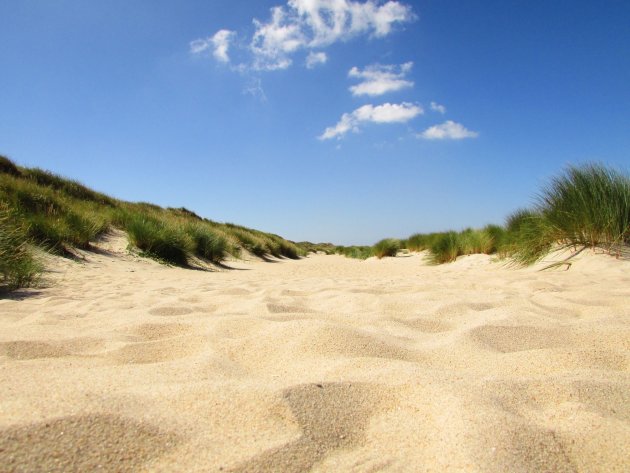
point(386, 113)
point(436, 107)
point(380, 79)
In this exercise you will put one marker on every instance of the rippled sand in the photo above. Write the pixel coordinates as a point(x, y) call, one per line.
point(322, 364)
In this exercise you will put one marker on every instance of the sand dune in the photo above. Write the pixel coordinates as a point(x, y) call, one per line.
point(322, 364)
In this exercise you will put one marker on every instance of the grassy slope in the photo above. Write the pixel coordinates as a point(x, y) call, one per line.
point(58, 214)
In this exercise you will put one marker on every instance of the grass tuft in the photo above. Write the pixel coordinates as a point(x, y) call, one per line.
point(208, 244)
point(159, 240)
point(8, 167)
point(18, 267)
point(386, 247)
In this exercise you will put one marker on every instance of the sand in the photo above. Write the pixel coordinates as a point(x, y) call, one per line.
point(322, 364)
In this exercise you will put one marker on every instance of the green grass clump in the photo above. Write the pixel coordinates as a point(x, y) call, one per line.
point(67, 186)
point(158, 239)
point(444, 248)
point(499, 239)
point(18, 267)
point(356, 252)
point(417, 242)
point(587, 206)
point(528, 237)
point(472, 242)
point(53, 220)
point(208, 244)
point(386, 247)
point(8, 167)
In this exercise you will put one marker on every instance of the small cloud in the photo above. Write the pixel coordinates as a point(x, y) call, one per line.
point(315, 59)
point(220, 44)
point(380, 79)
point(386, 113)
point(449, 130)
point(436, 107)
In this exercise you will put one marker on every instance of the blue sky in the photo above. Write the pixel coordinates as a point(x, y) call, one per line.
point(315, 120)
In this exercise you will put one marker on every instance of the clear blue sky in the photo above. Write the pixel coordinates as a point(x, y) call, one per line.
point(316, 121)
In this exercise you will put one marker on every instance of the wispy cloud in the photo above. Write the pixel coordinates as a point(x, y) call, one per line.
point(449, 130)
point(220, 43)
point(312, 24)
point(386, 113)
point(436, 107)
point(379, 79)
point(315, 59)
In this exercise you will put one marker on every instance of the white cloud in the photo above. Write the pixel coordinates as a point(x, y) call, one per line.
point(220, 44)
point(312, 24)
point(380, 79)
point(315, 59)
point(329, 21)
point(436, 107)
point(386, 113)
point(274, 41)
point(449, 130)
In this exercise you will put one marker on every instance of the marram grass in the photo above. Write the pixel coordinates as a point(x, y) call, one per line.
point(386, 247)
point(18, 266)
point(587, 206)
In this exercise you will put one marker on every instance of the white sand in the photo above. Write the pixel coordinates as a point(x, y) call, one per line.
point(322, 364)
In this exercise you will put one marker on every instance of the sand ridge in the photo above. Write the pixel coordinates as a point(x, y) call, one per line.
point(321, 364)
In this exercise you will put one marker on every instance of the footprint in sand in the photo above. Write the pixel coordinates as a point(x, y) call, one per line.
point(285, 309)
point(508, 339)
point(32, 350)
point(426, 325)
point(171, 311)
point(314, 406)
point(151, 332)
point(27, 350)
point(462, 309)
point(352, 343)
point(82, 443)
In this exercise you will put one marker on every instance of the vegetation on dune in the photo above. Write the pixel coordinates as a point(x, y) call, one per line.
point(18, 267)
point(59, 214)
point(587, 206)
point(308, 247)
point(386, 247)
point(356, 252)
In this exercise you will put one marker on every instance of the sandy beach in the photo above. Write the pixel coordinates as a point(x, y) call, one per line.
point(120, 363)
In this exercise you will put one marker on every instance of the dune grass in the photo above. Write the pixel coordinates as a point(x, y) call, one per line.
point(587, 206)
point(60, 214)
point(386, 247)
point(356, 252)
point(444, 248)
point(18, 266)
